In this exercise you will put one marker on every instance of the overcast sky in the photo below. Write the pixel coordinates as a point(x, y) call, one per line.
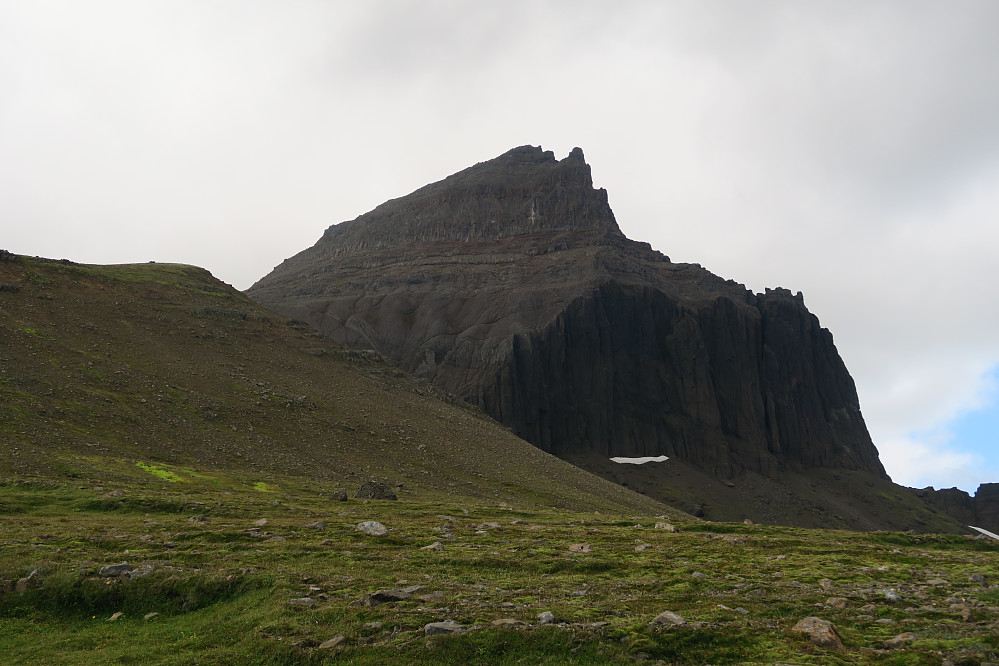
point(846, 149)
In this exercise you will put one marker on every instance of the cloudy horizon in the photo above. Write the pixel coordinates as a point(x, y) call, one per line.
point(847, 150)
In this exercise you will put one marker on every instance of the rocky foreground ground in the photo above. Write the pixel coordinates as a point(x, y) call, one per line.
point(206, 567)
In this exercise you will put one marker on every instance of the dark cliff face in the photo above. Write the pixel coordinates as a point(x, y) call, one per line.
point(980, 509)
point(510, 285)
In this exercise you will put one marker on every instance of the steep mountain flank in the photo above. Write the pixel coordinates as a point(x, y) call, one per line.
point(510, 285)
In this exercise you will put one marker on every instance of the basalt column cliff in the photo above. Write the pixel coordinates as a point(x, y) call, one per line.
point(510, 285)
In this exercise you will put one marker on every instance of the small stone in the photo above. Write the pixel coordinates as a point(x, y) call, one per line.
point(977, 578)
point(318, 525)
point(885, 620)
point(668, 619)
point(442, 628)
point(837, 602)
point(375, 490)
point(372, 528)
point(580, 548)
point(892, 595)
point(546, 617)
point(666, 526)
point(507, 622)
point(274, 539)
point(821, 632)
point(435, 546)
point(198, 519)
point(333, 642)
point(302, 602)
point(116, 616)
point(386, 596)
point(826, 584)
point(150, 616)
point(339, 496)
point(373, 626)
point(937, 582)
point(260, 522)
point(642, 547)
point(112, 570)
point(900, 640)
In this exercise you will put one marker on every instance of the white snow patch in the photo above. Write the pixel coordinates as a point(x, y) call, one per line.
point(640, 461)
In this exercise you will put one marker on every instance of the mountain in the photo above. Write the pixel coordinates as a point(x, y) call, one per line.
point(511, 286)
point(104, 367)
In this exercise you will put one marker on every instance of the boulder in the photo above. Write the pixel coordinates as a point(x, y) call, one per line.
point(443, 628)
point(372, 528)
point(668, 619)
point(821, 632)
point(375, 490)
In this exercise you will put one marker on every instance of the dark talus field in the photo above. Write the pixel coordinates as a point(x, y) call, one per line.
point(511, 286)
point(171, 474)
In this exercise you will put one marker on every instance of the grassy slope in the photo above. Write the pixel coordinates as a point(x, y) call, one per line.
point(235, 416)
point(160, 362)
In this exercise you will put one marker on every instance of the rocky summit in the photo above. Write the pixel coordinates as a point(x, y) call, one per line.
point(511, 286)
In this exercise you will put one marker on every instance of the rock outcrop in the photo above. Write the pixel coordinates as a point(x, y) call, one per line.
point(980, 509)
point(511, 286)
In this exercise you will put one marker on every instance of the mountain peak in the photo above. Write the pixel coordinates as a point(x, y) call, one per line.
point(523, 191)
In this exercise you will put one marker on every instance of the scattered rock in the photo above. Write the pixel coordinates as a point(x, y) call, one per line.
point(112, 570)
point(892, 595)
point(435, 546)
point(508, 622)
point(977, 578)
point(386, 596)
point(837, 602)
point(339, 496)
point(372, 528)
point(642, 547)
point(937, 582)
point(115, 616)
point(443, 628)
point(149, 616)
point(826, 584)
point(667, 526)
point(198, 519)
point(318, 525)
point(373, 626)
point(546, 617)
point(821, 632)
point(580, 548)
point(668, 619)
point(900, 640)
point(274, 539)
point(333, 642)
point(260, 522)
point(375, 490)
point(303, 602)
